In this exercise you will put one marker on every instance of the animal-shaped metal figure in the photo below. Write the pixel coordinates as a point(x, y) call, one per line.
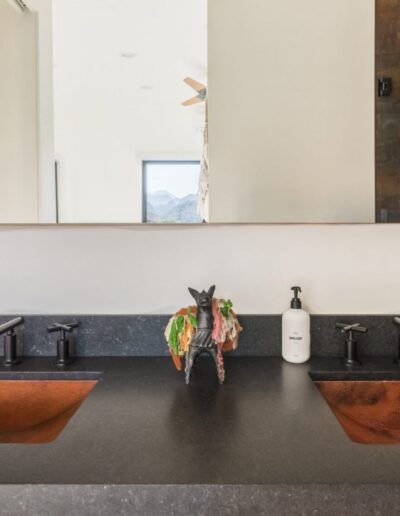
point(202, 341)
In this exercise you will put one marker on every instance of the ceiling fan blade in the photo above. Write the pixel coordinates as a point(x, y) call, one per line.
point(192, 101)
point(197, 86)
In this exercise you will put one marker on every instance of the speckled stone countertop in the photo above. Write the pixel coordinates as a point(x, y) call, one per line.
point(143, 426)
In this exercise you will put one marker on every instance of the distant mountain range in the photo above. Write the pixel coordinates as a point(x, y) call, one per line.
point(163, 206)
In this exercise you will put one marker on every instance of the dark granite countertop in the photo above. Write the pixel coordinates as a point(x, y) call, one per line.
point(142, 425)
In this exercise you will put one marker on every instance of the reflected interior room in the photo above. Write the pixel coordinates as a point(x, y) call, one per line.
point(199, 248)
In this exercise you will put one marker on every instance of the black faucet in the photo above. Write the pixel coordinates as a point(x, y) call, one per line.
point(63, 344)
point(10, 341)
point(350, 346)
point(396, 321)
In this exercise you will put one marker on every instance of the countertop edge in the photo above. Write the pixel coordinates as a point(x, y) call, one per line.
point(200, 500)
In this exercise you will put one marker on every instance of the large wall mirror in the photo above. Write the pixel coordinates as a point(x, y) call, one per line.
point(196, 111)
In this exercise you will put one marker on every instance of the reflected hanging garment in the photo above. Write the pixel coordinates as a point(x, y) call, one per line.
point(204, 183)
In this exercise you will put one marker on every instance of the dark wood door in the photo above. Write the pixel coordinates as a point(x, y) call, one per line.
point(387, 55)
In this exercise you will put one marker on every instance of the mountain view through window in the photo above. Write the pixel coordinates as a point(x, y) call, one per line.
point(170, 191)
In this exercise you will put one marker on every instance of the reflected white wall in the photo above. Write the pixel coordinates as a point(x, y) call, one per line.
point(18, 116)
point(291, 110)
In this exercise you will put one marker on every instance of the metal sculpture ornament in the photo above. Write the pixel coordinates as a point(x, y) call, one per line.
point(209, 327)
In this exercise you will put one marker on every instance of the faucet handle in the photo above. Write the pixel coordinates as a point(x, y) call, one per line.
point(63, 327)
point(349, 328)
point(10, 325)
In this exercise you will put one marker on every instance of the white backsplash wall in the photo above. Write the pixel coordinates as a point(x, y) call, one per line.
point(145, 270)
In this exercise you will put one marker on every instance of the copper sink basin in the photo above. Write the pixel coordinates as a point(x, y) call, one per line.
point(367, 406)
point(34, 408)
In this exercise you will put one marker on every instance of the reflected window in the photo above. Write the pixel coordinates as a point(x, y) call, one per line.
point(171, 192)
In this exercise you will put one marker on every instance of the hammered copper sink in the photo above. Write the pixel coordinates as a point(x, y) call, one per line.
point(367, 406)
point(35, 408)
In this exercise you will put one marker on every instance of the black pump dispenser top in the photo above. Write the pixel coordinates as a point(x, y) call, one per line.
point(296, 302)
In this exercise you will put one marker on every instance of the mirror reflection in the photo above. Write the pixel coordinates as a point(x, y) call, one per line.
point(117, 133)
point(189, 111)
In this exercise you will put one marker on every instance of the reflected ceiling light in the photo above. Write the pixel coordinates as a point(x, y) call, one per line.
point(146, 87)
point(127, 54)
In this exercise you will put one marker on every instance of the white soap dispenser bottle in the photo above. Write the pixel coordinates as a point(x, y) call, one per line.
point(296, 332)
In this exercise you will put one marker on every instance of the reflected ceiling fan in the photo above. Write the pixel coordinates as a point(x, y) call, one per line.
point(201, 92)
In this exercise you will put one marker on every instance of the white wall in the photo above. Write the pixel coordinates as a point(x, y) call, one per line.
point(18, 116)
point(291, 110)
point(136, 269)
